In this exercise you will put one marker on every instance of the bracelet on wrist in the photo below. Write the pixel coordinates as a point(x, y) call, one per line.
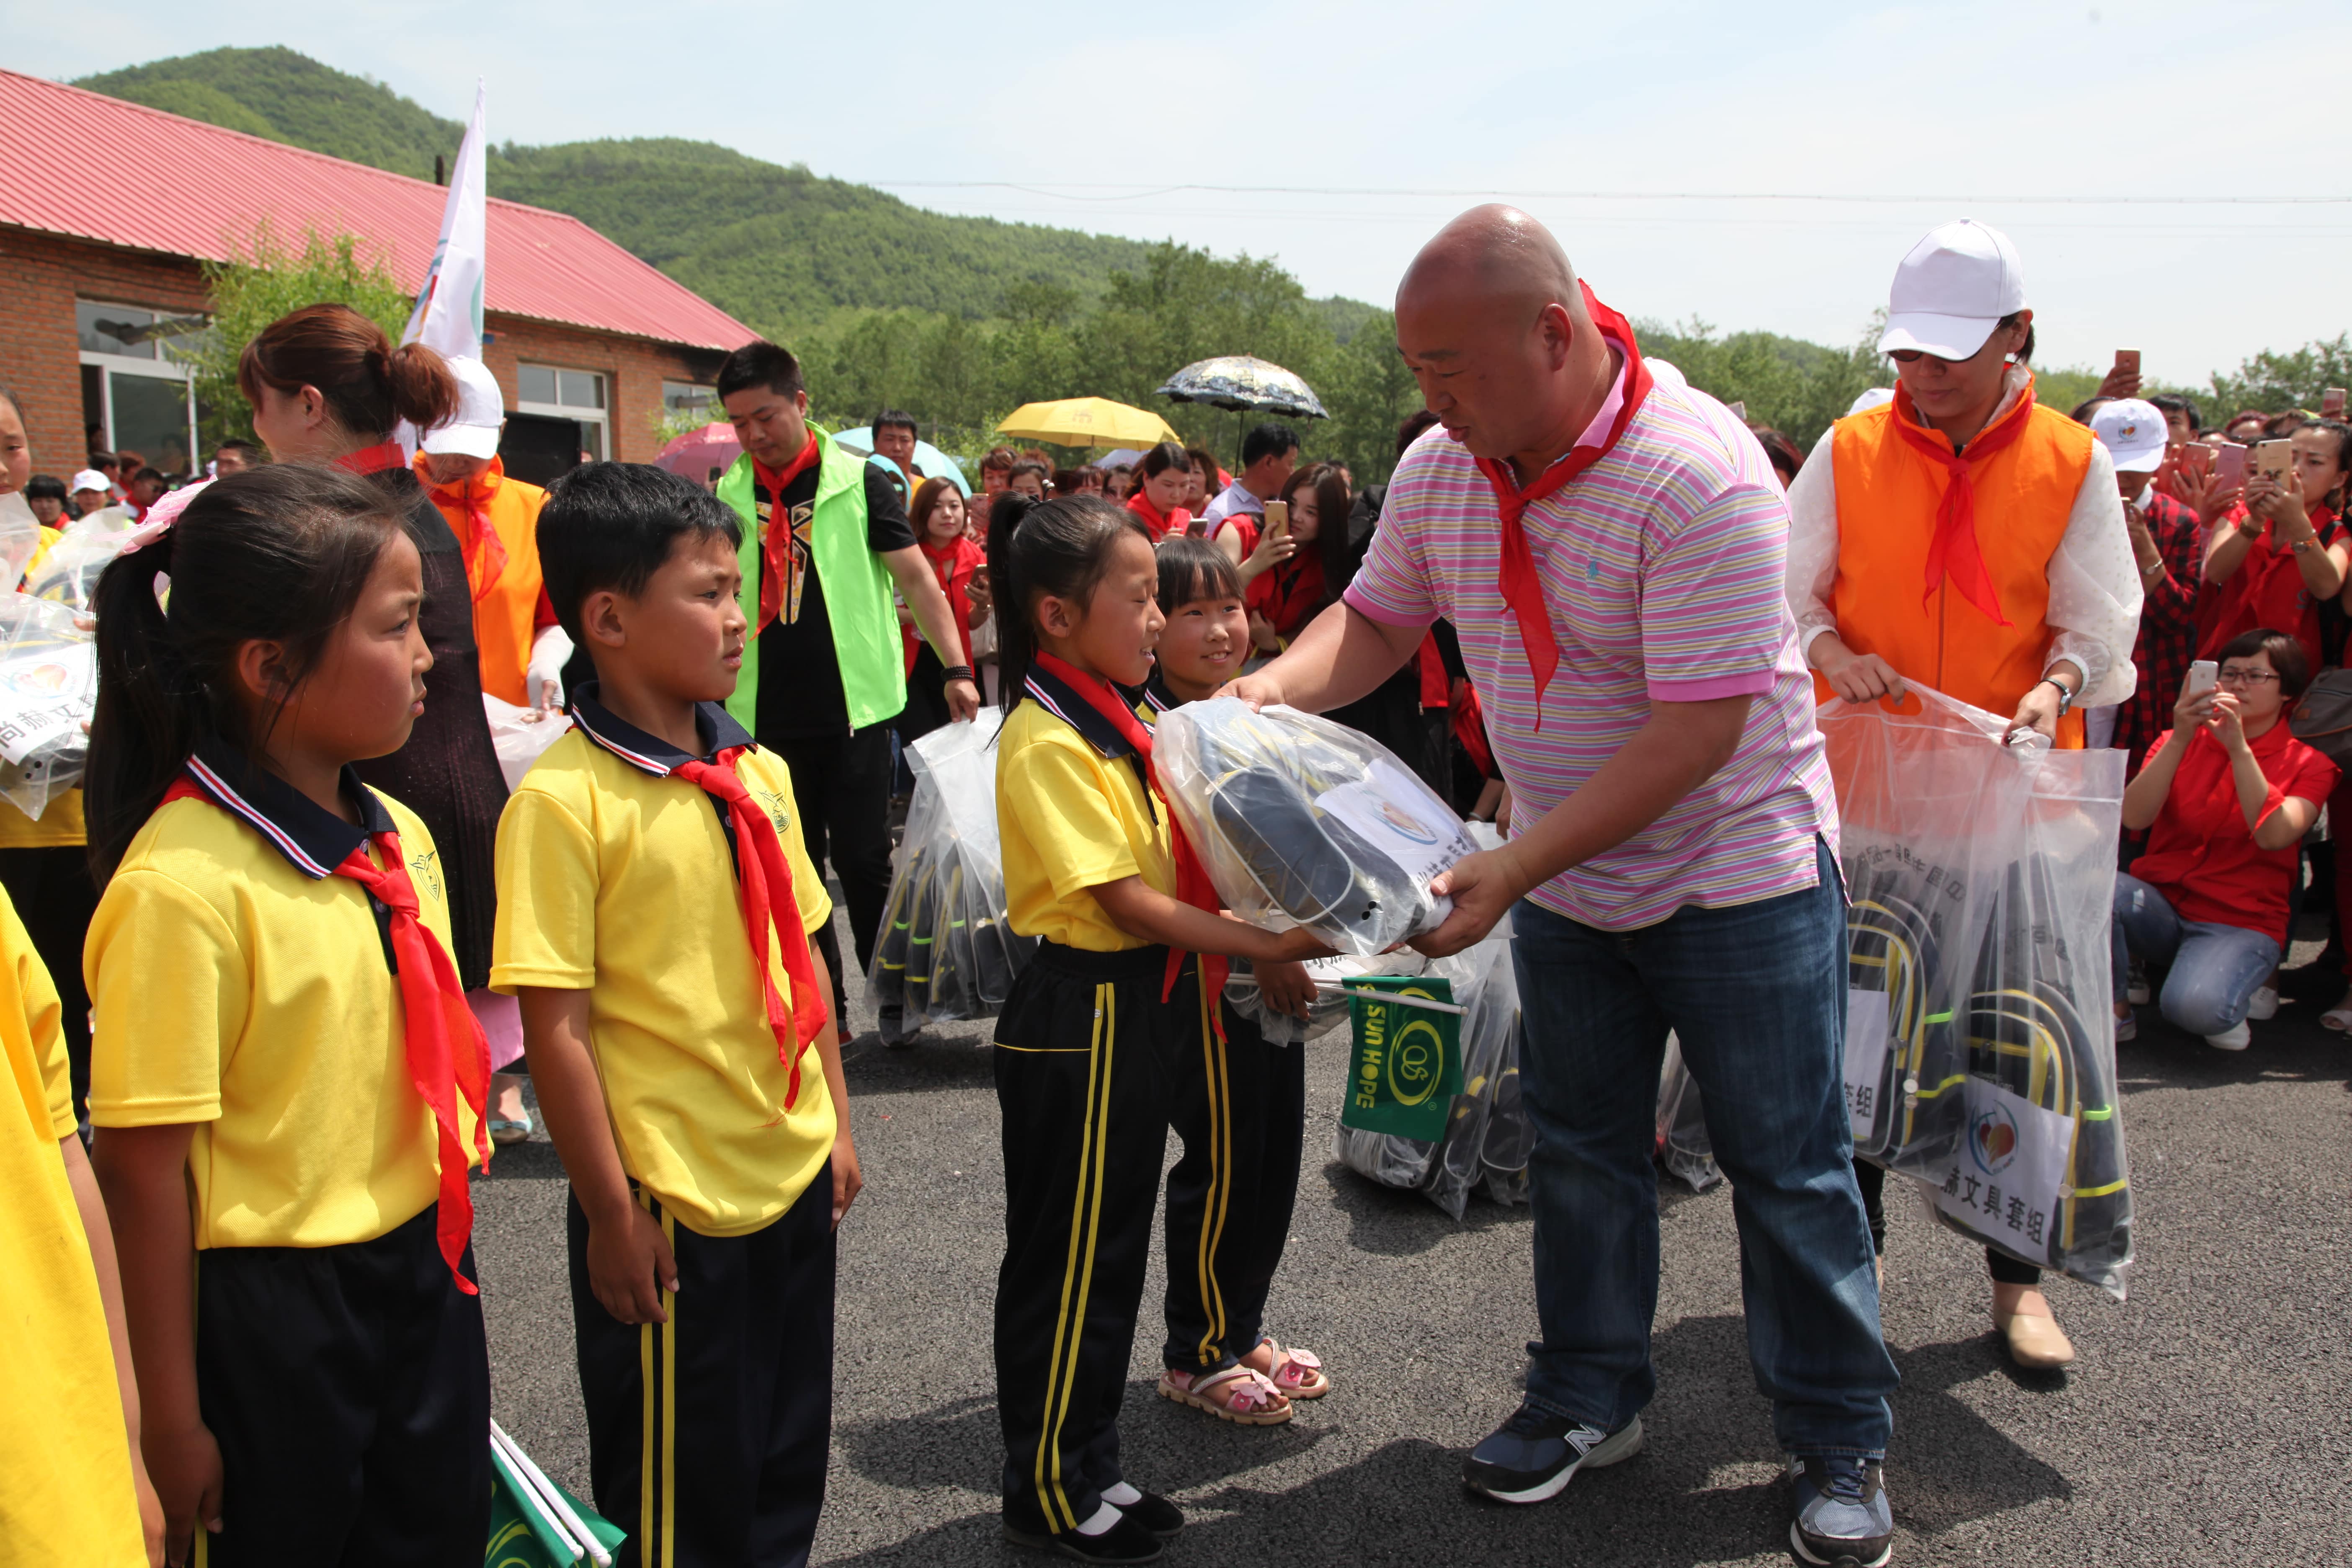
point(956, 672)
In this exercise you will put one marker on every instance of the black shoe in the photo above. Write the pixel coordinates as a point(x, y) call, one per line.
point(1126, 1541)
point(1532, 1456)
point(1155, 1513)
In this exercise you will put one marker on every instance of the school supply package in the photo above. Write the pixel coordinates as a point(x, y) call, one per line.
point(1979, 1052)
point(48, 686)
point(946, 951)
point(1683, 1145)
point(521, 735)
point(20, 536)
point(1304, 823)
point(68, 574)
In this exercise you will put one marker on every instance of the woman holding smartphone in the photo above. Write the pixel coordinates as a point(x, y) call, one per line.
point(2000, 519)
point(2283, 551)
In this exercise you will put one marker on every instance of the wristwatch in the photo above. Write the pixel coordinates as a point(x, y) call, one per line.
point(2065, 698)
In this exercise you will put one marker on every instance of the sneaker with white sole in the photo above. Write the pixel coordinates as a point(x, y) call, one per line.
point(1532, 1456)
point(2264, 1006)
point(2128, 1028)
point(2235, 1039)
point(1842, 1517)
point(2136, 991)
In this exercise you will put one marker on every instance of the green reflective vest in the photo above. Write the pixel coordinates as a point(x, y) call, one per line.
point(856, 585)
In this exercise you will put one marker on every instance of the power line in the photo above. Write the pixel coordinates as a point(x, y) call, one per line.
point(1066, 191)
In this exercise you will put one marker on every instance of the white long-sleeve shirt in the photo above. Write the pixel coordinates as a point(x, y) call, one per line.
point(2094, 585)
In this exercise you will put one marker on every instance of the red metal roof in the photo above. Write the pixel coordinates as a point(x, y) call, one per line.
point(66, 154)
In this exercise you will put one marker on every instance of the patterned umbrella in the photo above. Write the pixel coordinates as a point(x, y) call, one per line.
point(1240, 381)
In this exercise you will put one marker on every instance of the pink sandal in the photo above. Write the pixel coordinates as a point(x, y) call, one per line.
point(1250, 1399)
point(1297, 1373)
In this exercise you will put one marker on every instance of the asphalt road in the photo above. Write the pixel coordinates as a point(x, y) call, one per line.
point(2209, 1417)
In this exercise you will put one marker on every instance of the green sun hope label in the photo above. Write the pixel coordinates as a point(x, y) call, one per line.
point(1407, 1066)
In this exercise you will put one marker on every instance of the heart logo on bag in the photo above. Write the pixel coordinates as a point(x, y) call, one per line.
point(1992, 1138)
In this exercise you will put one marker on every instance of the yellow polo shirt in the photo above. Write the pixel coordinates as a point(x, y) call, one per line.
point(618, 879)
point(65, 1455)
point(233, 988)
point(1071, 819)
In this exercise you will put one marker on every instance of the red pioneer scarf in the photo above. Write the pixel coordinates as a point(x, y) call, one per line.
point(447, 1055)
point(374, 459)
point(1953, 554)
point(1522, 591)
point(1192, 884)
point(776, 548)
point(485, 552)
point(767, 882)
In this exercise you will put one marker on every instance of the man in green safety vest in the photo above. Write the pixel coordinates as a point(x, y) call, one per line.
point(825, 539)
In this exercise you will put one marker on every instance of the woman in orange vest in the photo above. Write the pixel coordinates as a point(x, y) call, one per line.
point(495, 520)
point(1964, 537)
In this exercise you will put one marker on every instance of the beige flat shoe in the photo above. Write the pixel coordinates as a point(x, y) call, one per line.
point(2036, 1343)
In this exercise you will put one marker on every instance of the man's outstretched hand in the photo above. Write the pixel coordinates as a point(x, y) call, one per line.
point(1259, 691)
point(1484, 886)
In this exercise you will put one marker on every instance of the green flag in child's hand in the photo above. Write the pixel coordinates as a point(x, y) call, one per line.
point(1407, 1066)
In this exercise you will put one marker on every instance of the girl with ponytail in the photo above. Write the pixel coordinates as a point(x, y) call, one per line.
point(286, 1073)
point(1121, 997)
point(328, 387)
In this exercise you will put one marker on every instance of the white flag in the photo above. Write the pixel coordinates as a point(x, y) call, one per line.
point(448, 314)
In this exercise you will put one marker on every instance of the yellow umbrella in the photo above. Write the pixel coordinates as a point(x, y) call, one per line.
point(1086, 421)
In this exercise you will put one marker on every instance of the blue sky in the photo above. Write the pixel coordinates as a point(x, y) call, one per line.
point(2014, 114)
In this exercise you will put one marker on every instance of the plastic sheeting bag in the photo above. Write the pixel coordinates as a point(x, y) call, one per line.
point(48, 686)
point(521, 734)
point(1303, 822)
point(946, 950)
point(1487, 1137)
point(1682, 1124)
point(20, 536)
point(1329, 1008)
point(1979, 1038)
point(68, 574)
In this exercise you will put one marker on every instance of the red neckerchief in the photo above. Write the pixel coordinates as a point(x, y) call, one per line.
point(444, 1042)
point(1161, 524)
point(776, 548)
point(767, 882)
point(1955, 552)
point(486, 553)
point(1192, 884)
point(1522, 591)
point(374, 459)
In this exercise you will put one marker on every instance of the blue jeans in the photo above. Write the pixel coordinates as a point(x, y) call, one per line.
point(1757, 995)
point(2216, 969)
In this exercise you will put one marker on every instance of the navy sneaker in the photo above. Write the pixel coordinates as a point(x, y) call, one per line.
point(1534, 1454)
point(1842, 1518)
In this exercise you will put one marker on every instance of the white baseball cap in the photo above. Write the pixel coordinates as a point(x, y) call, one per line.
point(481, 413)
point(2133, 433)
point(91, 479)
point(1952, 289)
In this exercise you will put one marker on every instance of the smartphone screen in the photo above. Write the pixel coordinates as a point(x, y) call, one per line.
point(1277, 520)
point(2230, 463)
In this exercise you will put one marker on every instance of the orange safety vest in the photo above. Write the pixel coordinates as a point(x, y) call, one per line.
point(508, 611)
point(1887, 499)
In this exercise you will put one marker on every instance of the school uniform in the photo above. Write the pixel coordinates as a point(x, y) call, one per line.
point(65, 1493)
point(618, 876)
point(1239, 1102)
point(1086, 1058)
point(243, 977)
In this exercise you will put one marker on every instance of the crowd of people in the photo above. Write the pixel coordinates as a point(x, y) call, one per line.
point(284, 955)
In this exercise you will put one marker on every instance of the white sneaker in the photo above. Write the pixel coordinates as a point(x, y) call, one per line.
point(2235, 1039)
point(2135, 990)
point(2264, 1006)
point(2128, 1028)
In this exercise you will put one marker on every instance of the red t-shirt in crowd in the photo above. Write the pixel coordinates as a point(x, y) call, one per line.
point(2199, 855)
point(953, 566)
point(1245, 525)
point(1161, 524)
point(1289, 594)
point(2266, 590)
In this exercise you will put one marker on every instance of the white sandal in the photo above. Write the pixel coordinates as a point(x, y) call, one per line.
point(2338, 1017)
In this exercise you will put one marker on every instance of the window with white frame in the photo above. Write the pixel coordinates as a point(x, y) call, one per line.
point(576, 395)
point(135, 391)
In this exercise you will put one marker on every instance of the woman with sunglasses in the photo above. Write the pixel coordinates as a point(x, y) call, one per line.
point(1966, 537)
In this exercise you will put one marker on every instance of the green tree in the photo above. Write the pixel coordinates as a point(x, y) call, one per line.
point(2275, 382)
point(266, 278)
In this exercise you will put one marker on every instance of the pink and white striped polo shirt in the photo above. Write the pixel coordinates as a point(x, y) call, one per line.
point(1663, 568)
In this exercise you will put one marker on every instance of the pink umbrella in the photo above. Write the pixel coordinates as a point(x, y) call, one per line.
point(701, 454)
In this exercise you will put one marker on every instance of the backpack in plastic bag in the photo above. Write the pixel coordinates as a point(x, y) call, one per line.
point(1979, 1038)
point(68, 574)
point(1304, 822)
point(49, 688)
point(945, 952)
point(1682, 1124)
point(521, 735)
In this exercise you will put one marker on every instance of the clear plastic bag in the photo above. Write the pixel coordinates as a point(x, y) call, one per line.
point(521, 734)
point(68, 574)
point(20, 536)
point(946, 951)
point(1682, 1124)
point(1303, 822)
point(1981, 1043)
point(48, 686)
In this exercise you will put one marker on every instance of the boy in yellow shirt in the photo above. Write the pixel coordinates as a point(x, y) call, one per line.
point(655, 905)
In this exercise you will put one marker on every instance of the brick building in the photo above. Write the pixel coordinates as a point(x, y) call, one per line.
point(591, 344)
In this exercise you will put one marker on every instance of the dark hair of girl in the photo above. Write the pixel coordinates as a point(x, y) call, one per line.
point(1331, 503)
point(369, 386)
point(1062, 547)
point(2341, 434)
point(278, 554)
point(1160, 459)
point(1194, 569)
point(2284, 651)
point(928, 495)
